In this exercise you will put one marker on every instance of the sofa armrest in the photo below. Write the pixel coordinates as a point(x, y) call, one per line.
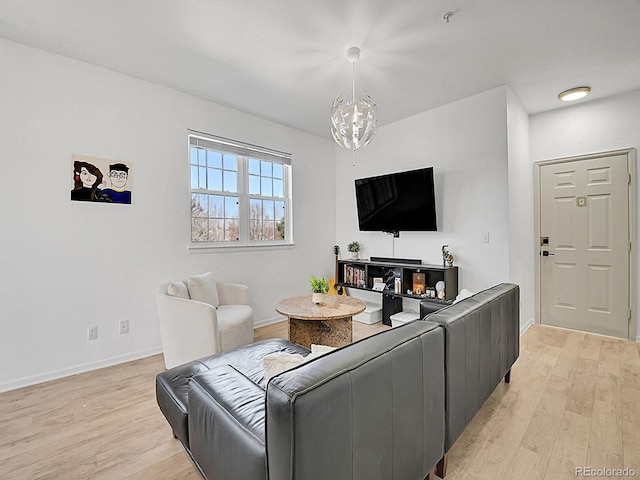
point(232, 293)
point(188, 329)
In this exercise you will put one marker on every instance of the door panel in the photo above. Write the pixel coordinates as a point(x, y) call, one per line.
point(599, 215)
point(585, 277)
point(565, 230)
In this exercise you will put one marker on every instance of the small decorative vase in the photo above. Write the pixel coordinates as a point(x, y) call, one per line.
point(317, 298)
point(354, 255)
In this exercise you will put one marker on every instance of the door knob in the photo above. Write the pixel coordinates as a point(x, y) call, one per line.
point(545, 253)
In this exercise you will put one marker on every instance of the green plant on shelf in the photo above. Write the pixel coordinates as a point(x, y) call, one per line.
point(354, 246)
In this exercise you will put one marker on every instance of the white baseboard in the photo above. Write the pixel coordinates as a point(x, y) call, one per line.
point(86, 367)
point(268, 321)
point(76, 369)
point(524, 327)
point(65, 372)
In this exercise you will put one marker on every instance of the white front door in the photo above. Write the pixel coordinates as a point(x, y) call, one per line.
point(585, 244)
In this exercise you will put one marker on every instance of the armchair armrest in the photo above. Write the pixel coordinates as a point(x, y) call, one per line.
point(189, 329)
point(232, 293)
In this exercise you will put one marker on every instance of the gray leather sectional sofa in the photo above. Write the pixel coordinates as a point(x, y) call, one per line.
point(387, 407)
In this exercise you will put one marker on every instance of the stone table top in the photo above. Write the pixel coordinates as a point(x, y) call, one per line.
point(332, 307)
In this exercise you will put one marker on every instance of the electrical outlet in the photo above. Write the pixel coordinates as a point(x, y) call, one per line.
point(485, 237)
point(92, 333)
point(124, 326)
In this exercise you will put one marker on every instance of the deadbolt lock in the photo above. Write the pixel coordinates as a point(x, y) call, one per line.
point(544, 241)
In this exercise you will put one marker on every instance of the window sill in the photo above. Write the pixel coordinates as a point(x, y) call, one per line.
point(197, 249)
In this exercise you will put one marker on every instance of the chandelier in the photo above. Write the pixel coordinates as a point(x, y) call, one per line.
point(353, 123)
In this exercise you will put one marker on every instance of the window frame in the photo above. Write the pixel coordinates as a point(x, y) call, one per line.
point(243, 152)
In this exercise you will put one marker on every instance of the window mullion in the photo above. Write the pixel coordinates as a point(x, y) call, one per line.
point(243, 199)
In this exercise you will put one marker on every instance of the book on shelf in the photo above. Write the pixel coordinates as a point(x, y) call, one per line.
point(355, 276)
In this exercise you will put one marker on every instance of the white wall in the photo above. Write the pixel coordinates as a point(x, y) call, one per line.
point(466, 143)
point(521, 244)
point(596, 126)
point(68, 265)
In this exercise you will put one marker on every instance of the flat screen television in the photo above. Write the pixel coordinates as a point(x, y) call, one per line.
point(403, 201)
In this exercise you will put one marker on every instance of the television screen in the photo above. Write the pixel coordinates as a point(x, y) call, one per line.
point(403, 201)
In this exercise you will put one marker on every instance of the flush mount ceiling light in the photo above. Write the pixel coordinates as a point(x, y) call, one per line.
point(353, 123)
point(574, 94)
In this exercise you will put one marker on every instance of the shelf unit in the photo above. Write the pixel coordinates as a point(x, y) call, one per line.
point(360, 274)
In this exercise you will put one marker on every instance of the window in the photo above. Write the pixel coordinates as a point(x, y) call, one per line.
point(240, 194)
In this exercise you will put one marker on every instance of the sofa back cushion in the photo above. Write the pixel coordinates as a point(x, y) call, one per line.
point(373, 409)
point(482, 339)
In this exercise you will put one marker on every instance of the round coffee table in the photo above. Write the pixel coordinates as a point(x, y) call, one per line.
point(326, 323)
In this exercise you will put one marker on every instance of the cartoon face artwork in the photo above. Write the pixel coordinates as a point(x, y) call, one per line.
point(118, 179)
point(118, 176)
point(87, 178)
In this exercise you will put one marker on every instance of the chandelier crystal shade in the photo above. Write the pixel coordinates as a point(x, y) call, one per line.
point(353, 123)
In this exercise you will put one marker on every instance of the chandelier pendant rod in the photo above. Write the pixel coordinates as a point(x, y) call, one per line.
point(353, 99)
point(353, 83)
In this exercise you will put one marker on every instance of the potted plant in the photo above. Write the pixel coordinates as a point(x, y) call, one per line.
point(354, 247)
point(319, 287)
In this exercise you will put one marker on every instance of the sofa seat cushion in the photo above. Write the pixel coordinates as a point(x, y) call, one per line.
point(232, 315)
point(172, 386)
point(248, 359)
point(235, 326)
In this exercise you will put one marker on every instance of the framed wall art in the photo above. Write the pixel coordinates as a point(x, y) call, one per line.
point(100, 180)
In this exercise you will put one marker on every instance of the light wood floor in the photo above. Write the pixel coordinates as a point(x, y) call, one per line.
point(573, 401)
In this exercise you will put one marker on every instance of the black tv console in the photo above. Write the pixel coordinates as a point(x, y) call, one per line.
point(360, 274)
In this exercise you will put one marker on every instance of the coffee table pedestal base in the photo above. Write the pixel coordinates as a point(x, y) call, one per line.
point(335, 333)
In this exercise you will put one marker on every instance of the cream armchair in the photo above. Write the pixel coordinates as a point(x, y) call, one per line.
point(202, 316)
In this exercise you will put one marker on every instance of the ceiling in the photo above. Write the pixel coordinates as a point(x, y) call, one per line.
point(285, 60)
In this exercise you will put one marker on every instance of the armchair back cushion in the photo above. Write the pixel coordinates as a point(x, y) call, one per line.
point(178, 289)
point(202, 288)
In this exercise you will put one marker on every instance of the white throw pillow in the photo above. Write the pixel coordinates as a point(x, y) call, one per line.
point(278, 362)
point(275, 363)
point(464, 293)
point(178, 289)
point(321, 349)
point(203, 289)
